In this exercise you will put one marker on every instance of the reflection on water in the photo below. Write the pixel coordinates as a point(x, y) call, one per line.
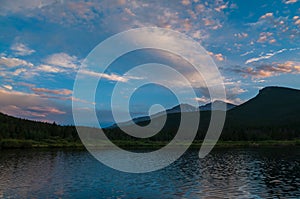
point(229, 173)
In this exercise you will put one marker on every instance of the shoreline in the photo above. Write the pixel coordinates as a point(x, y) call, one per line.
point(131, 145)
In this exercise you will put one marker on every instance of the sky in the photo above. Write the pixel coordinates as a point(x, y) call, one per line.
point(43, 44)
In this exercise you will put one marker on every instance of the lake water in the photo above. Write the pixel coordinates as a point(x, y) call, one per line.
point(224, 173)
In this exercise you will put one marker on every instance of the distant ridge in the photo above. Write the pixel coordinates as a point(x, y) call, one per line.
point(185, 108)
point(218, 106)
point(274, 113)
point(182, 108)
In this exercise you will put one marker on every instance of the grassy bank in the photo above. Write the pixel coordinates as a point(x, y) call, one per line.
point(61, 143)
point(47, 143)
point(220, 144)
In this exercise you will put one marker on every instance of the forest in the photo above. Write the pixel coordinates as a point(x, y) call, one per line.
point(274, 114)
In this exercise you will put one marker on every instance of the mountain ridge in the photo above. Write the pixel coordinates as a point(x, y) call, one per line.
point(274, 113)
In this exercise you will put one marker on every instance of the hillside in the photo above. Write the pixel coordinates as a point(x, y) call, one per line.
point(272, 106)
point(37, 132)
point(274, 114)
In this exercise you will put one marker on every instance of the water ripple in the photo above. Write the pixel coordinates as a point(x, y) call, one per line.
point(225, 173)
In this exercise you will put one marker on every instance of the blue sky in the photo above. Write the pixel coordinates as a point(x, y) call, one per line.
point(42, 44)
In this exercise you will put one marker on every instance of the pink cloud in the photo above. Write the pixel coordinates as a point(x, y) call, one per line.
point(264, 36)
point(217, 56)
point(269, 70)
point(13, 62)
point(46, 110)
point(26, 105)
point(267, 15)
point(56, 92)
point(290, 1)
point(221, 7)
point(21, 49)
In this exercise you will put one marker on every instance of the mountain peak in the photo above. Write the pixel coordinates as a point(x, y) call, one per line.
point(218, 105)
point(183, 108)
point(276, 89)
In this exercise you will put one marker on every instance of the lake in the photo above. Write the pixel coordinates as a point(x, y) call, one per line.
point(224, 173)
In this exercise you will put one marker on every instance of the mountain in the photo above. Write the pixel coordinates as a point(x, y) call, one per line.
point(146, 119)
point(207, 107)
point(137, 120)
point(185, 108)
point(274, 113)
point(182, 108)
point(272, 105)
point(218, 106)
